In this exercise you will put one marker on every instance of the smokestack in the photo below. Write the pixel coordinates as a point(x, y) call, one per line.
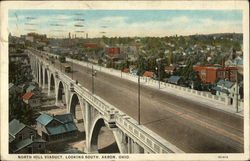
point(86, 35)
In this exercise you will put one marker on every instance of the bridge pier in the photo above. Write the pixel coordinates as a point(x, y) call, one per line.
point(43, 81)
point(40, 75)
point(49, 82)
point(120, 138)
point(87, 127)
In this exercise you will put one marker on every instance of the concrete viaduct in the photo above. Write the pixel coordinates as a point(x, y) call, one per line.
point(130, 137)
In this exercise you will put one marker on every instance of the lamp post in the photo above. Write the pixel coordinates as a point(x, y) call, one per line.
point(236, 90)
point(72, 70)
point(93, 75)
point(139, 101)
point(159, 73)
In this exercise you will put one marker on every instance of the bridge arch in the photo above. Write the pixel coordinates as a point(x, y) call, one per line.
point(52, 83)
point(37, 71)
point(46, 75)
point(105, 145)
point(76, 107)
point(61, 94)
point(41, 73)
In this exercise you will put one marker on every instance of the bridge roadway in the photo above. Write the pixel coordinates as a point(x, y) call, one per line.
point(191, 126)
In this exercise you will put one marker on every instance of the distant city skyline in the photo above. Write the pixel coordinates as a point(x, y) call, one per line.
point(124, 23)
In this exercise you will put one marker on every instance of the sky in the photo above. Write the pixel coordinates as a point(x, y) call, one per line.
point(124, 23)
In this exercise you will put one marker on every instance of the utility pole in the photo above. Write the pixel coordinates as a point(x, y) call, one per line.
point(72, 70)
point(92, 80)
point(93, 75)
point(159, 73)
point(139, 101)
point(236, 88)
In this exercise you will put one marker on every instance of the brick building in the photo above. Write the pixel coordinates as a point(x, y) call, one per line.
point(114, 50)
point(214, 73)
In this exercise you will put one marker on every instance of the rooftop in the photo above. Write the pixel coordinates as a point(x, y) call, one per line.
point(224, 83)
point(148, 74)
point(15, 126)
point(28, 95)
point(44, 119)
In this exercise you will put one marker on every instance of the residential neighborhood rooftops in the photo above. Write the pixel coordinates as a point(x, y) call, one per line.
point(174, 79)
point(65, 118)
point(30, 88)
point(28, 95)
point(61, 129)
point(148, 74)
point(26, 142)
point(44, 119)
point(169, 68)
point(15, 126)
point(126, 70)
point(224, 83)
point(66, 123)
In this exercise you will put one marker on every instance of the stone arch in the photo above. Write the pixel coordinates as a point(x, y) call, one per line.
point(94, 138)
point(37, 71)
point(41, 73)
point(52, 83)
point(75, 105)
point(46, 75)
point(61, 94)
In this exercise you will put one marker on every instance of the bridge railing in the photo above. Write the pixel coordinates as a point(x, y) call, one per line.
point(149, 139)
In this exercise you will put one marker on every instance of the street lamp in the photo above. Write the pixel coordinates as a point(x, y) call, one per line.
point(93, 74)
point(72, 69)
point(139, 101)
point(159, 73)
point(236, 90)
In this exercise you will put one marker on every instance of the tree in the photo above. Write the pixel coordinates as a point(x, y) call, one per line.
point(62, 59)
point(20, 110)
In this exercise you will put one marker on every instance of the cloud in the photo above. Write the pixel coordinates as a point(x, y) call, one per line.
point(114, 19)
point(122, 26)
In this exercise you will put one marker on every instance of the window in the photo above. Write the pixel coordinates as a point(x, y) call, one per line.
point(39, 146)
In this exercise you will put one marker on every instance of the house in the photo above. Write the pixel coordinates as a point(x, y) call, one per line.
point(237, 62)
point(213, 73)
point(126, 70)
point(24, 139)
point(225, 88)
point(90, 45)
point(134, 72)
point(56, 128)
point(148, 74)
point(14, 89)
point(114, 51)
point(175, 80)
point(32, 99)
point(169, 70)
point(32, 88)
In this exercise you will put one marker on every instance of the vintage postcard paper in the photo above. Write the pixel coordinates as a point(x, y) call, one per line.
point(118, 80)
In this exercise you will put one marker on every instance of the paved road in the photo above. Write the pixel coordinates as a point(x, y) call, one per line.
point(192, 127)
